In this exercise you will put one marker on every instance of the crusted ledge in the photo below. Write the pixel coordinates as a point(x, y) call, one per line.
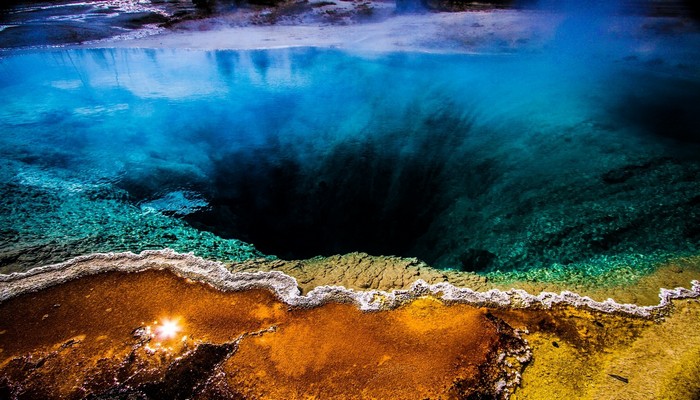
point(286, 289)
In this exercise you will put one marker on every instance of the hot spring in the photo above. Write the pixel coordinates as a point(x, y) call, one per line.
point(546, 160)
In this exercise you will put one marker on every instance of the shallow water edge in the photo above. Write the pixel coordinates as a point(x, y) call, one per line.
point(286, 288)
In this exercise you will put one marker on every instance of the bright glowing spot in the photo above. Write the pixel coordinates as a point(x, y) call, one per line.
point(168, 329)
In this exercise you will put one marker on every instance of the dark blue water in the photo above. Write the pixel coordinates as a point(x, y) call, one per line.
point(527, 162)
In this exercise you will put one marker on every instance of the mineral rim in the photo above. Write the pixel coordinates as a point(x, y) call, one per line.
point(167, 325)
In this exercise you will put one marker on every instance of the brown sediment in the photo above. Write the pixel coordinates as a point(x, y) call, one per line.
point(101, 335)
point(422, 350)
point(89, 328)
point(363, 272)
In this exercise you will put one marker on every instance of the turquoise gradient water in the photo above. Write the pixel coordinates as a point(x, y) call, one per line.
point(554, 161)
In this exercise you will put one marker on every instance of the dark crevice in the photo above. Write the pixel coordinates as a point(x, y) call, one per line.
point(182, 379)
point(359, 198)
point(671, 113)
point(378, 194)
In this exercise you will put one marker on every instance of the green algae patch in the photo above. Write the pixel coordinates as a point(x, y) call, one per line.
point(624, 284)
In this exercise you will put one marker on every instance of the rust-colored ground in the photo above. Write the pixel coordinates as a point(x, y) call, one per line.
point(104, 336)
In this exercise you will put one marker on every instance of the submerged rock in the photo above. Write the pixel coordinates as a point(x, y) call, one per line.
point(359, 271)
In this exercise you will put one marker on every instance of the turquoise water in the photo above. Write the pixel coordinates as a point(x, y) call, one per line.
point(551, 161)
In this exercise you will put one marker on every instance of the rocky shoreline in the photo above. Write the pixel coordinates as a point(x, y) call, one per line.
point(286, 287)
point(498, 344)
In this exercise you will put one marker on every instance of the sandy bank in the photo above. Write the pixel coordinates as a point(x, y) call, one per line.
point(499, 31)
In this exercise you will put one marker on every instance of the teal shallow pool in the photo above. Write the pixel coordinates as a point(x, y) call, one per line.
point(557, 161)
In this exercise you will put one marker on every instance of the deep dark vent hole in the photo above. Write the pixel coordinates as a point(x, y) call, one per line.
point(361, 198)
point(377, 192)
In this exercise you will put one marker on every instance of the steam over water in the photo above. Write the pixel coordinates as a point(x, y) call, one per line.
point(582, 155)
